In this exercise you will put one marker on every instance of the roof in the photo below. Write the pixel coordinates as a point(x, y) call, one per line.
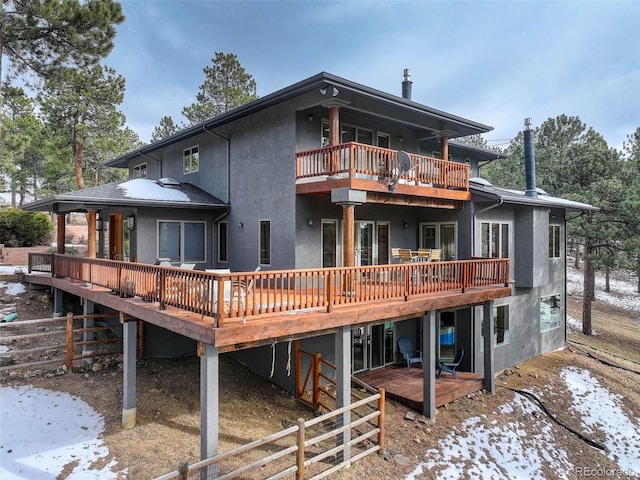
point(358, 96)
point(482, 189)
point(139, 192)
point(483, 154)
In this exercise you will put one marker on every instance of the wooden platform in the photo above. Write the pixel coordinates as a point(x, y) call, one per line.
point(405, 385)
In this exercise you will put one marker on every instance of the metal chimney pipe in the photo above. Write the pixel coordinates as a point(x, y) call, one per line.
point(529, 160)
point(406, 84)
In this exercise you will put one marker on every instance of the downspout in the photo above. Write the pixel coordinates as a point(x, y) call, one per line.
point(204, 127)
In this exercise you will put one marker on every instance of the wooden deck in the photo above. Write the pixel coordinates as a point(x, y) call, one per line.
point(405, 385)
point(283, 304)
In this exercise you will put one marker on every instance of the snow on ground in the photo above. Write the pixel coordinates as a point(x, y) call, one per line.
point(623, 293)
point(484, 447)
point(42, 431)
point(602, 410)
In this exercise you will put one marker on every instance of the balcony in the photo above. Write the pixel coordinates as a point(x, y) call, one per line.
point(378, 170)
point(246, 308)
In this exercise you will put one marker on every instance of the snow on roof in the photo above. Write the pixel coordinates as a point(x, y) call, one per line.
point(143, 189)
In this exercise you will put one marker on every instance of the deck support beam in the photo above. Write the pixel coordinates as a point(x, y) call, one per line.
point(487, 335)
point(429, 364)
point(58, 308)
point(60, 234)
point(129, 349)
point(343, 383)
point(209, 406)
point(88, 308)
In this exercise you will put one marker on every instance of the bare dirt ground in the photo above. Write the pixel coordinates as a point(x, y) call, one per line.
point(167, 430)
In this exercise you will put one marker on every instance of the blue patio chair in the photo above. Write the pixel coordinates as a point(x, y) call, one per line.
point(408, 352)
point(451, 366)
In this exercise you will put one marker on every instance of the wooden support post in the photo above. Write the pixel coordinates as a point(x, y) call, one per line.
point(334, 138)
point(487, 333)
point(317, 369)
point(129, 344)
point(429, 364)
point(69, 359)
point(140, 340)
point(381, 405)
point(209, 408)
point(60, 234)
point(91, 234)
point(183, 470)
point(300, 453)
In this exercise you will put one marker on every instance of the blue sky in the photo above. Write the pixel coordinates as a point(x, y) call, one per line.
point(495, 62)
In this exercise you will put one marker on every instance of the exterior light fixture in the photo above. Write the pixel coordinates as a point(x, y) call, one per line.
point(99, 224)
point(310, 117)
point(309, 222)
point(131, 222)
point(405, 225)
point(241, 225)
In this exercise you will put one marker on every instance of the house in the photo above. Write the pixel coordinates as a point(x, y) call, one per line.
point(318, 184)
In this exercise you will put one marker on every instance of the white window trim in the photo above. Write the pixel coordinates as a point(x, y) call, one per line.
point(558, 294)
point(137, 169)
point(260, 220)
point(337, 223)
point(478, 245)
point(218, 242)
point(495, 326)
point(438, 238)
point(190, 150)
point(182, 243)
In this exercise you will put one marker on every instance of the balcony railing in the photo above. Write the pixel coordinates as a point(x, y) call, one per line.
point(243, 296)
point(357, 160)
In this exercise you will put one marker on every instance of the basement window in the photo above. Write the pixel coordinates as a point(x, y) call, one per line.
point(550, 312)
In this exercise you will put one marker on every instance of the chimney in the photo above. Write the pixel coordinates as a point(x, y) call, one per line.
point(529, 160)
point(406, 84)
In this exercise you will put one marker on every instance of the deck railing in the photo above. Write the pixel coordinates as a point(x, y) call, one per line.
point(239, 296)
point(357, 160)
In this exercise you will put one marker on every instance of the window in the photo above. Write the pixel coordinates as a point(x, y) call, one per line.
point(494, 238)
point(222, 242)
point(501, 324)
point(439, 235)
point(384, 140)
point(549, 312)
point(140, 171)
point(181, 241)
point(554, 241)
point(329, 243)
point(436, 154)
point(191, 160)
point(265, 242)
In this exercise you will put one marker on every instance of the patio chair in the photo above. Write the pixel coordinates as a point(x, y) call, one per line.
point(395, 255)
point(187, 266)
point(405, 255)
point(451, 366)
point(408, 352)
point(242, 290)
point(436, 255)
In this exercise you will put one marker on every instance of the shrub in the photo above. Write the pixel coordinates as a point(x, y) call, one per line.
point(19, 228)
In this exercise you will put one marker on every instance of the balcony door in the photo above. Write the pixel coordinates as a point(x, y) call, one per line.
point(364, 242)
point(371, 243)
point(372, 347)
